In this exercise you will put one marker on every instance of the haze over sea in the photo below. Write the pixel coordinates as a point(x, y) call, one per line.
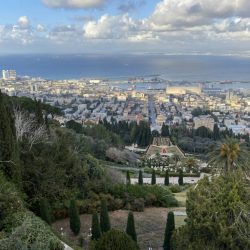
point(170, 67)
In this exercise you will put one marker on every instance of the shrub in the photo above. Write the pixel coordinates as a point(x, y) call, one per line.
point(45, 211)
point(96, 230)
point(31, 233)
point(130, 229)
point(140, 178)
point(74, 219)
point(180, 180)
point(115, 240)
point(104, 217)
point(170, 227)
point(137, 205)
point(175, 188)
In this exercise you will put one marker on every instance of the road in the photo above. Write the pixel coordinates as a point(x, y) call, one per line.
point(151, 109)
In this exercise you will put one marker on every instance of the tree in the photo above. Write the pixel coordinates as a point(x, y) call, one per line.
point(128, 181)
point(180, 180)
point(75, 223)
point(165, 130)
point(153, 178)
point(96, 230)
point(130, 230)
point(39, 113)
point(140, 178)
point(104, 217)
point(229, 155)
point(9, 157)
point(45, 211)
point(216, 132)
point(166, 180)
point(216, 217)
point(170, 227)
point(115, 240)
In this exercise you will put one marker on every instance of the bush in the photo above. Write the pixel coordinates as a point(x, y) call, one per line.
point(137, 205)
point(175, 188)
point(159, 195)
point(74, 219)
point(115, 240)
point(31, 233)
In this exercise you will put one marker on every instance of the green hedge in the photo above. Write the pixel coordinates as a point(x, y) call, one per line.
point(152, 195)
point(171, 174)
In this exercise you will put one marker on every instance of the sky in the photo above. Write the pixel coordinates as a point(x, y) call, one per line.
point(125, 26)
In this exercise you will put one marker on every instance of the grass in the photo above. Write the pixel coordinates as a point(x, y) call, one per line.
point(181, 198)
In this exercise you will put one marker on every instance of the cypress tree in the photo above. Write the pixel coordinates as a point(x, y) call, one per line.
point(153, 178)
point(140, 179)
point(104, 217)
point(166, 180)
point(170, 227)
point(45, 211)
point(180, 180)
point(39, 112)
point(8, 144)
point(75, 223)
point(96, 230)
point(130, 230)
point(128, 181)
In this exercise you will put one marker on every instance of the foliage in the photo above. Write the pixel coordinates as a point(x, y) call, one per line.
point(166, 179)
point(31, 233)
point(74, 219)
point(180, 180)
point(218, 227)
point(115, 240)
point(140, 178)
point(153, 178)
point(128, 181)
point(45, 211)
point(153, 195)
point(130, 229)
point(170, 227)
point(96, 230)
point(229, 155)
point(104, 217)
point(9, 157)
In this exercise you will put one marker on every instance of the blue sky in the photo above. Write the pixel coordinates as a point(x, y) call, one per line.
point(125, 26)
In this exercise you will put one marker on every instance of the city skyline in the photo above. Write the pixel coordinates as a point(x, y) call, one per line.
point(113, 26)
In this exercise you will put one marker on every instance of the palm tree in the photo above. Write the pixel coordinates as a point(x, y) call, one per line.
point(229, 155)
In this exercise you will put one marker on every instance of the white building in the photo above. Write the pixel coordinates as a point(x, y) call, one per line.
point(204, 121)
point(9, 74)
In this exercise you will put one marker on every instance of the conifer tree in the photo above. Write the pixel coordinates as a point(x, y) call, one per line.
point(170, 227)
point(128, 181)
point(75, 223)
point(153, 178)
point(166, 180)
point(130, 230)
point(140, 178)
point(45, 211)
point(39, 112)
point(9, 160)
point(104, 217)
point(96, 230)
point(180, 180)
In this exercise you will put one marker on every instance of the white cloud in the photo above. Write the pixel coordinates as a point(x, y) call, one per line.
point(111, 27)
point(85, 4)
point(23, 22)
point(40, 28)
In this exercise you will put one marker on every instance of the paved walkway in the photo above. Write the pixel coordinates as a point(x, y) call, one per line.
point(172, 180)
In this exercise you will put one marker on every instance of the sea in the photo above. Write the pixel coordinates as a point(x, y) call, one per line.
point(169, 67)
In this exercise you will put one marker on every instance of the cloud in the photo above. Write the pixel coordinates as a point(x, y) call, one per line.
point(40, 28)
point(74, 4)
point(111, 27)
point(23, 22)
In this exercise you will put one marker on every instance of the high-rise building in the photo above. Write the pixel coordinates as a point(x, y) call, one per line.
point(9, 74)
